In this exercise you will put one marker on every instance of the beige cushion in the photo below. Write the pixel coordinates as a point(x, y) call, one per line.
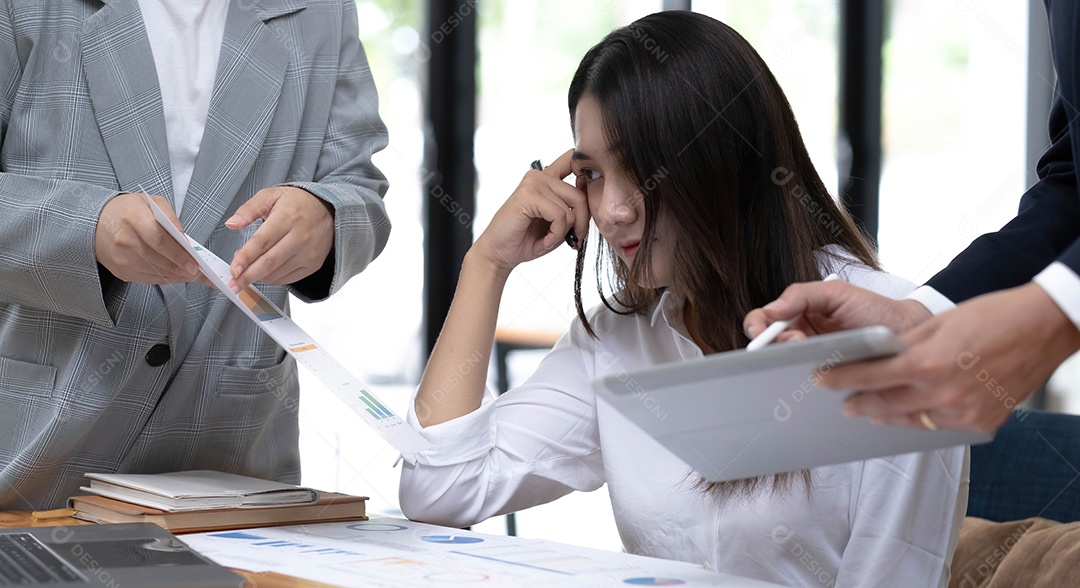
point(1032, 553)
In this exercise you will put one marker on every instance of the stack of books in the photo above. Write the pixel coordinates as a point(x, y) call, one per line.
point(202, 500)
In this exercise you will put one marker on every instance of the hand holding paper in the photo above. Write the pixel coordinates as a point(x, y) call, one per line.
point(296, 236)
point(300, 345)
point(131, 244)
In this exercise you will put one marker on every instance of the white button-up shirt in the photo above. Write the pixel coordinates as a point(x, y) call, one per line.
point(881, 522)
point(1057, 280)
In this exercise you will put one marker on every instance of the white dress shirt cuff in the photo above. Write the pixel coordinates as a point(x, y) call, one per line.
point(1063, 286)
point(456, 441)
point(934, 301)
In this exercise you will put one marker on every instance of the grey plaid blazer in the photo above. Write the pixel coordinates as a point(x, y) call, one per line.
point(81, 120)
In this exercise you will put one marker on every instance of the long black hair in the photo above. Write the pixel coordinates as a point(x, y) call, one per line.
point(694, 116)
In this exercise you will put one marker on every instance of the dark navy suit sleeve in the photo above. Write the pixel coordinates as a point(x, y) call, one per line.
point(1047, 227)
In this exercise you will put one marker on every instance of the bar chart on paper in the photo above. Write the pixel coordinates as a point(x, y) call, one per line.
point(374, 407)
point(300, 345)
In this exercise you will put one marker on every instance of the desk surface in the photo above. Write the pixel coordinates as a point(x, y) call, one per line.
point(391, 553)
point(11, 519)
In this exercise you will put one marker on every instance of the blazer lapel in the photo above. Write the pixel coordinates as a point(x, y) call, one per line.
point(124, 90)
point(250, 74)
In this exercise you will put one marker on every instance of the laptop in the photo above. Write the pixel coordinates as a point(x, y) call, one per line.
point(129, 554)
point(742, 414)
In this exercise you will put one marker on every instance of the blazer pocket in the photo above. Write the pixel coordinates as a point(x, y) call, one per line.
point(242, 381)
point(21, 379)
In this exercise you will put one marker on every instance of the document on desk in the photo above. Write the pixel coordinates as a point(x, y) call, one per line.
point(390, 552)
point(300, 345)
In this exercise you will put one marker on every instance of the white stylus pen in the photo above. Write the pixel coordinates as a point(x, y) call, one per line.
point(774, 330)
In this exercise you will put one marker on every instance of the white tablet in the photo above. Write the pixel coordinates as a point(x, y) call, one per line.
point(743, 414)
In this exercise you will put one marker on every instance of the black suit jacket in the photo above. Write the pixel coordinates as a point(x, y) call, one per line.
point(1047, 227)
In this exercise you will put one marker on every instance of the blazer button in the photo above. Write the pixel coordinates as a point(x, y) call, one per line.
point(158, 355)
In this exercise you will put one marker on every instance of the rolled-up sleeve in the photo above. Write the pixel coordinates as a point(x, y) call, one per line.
point(534, 444)
point(465, 438)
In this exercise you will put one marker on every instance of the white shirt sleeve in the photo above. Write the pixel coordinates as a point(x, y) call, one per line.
point(1062, 285)
point(934, 301)
point(902, 533)
point(530, 446)
point(1058, 280)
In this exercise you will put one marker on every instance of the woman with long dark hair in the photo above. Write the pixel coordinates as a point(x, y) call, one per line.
point(689, 162)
